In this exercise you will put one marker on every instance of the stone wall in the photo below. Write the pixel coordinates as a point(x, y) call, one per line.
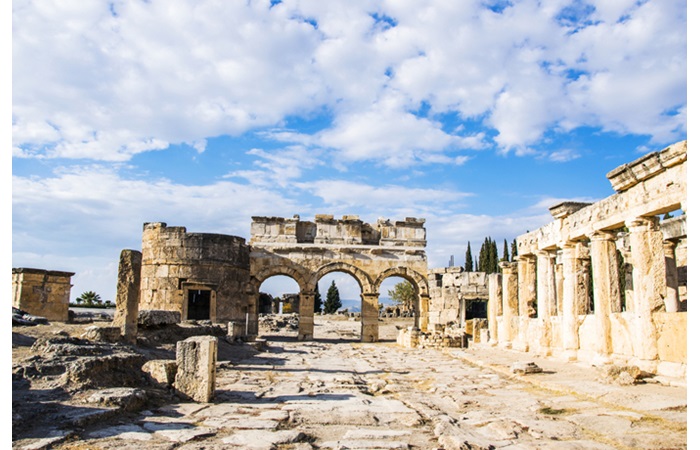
point(181, 271)
point(605, 282)
point(44, 293)
point(349, 230)
point(452, 290)
point(370, 253)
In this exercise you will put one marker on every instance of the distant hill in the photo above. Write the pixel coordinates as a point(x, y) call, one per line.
point(356, 305)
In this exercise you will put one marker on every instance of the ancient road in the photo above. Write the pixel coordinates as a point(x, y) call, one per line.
point(339, 394)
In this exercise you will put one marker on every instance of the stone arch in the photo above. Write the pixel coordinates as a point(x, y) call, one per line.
point(301, 276)
point(420, 283)
point(366, 285)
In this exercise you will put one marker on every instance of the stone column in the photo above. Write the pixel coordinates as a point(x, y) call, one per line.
point(649, 280)
point(422, 315)
point(606, 287)
point(570, 307)
point(370, 317)
point(306, 315)
point(546, 299)
point(196, 367)
point(126, 313)
point(546, 295)
point(510, 301)
point(559, 284)
point(672, 301)
point(494, 306)
point(527, 286)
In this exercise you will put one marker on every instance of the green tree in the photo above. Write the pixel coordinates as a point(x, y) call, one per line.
point(332, 303)
point(468, 261)
point(318, 301)
point(505, 251)
point(513, 250)
point(488, 256)
point(89, 298)
point(403, 294)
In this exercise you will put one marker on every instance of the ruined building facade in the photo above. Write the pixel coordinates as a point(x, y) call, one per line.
point(217, 277)
point(44, 293)
point(604, 282)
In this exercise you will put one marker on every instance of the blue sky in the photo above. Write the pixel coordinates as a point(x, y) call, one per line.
point(476, 116)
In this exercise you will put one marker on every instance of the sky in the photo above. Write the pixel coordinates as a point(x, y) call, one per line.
point(475, 115)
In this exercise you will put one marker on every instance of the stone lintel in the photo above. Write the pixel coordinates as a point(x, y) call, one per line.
point(627, 175)
point(324, 218)
point(674, 228)
point(565, 209)
point(53, 273)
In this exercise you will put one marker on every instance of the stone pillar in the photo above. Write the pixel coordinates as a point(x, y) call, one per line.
point(527, 286)
point(546, 300)
point(570, 307)
point(546, 295)
point(649, 280)
point(306, 315)
point(606, 288)
point(126, 313)
point(196, 368)
point(672, 300)
point(494, 306)
point(370, 317)
point(510, 301)
point(422, 315)
point(559, 284)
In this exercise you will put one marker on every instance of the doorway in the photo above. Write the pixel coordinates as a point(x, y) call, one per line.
point(198, 304)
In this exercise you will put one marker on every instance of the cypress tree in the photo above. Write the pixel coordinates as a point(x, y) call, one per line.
point(505, 251)
point(318, 301)
point(468, 263)
point(333, 303)
point(513, 250)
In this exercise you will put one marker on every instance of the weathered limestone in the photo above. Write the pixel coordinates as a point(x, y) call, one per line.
point(495, 305)
point(606, 288)
point(161, 371)
point(649, 279)
point(618, 284)
point(370, 317)
point(196, 368)
point(671, 300)
point(199, 275)
point(306, 251)
point(510, 299)
point(456, 295)
point(128, 289)
point(306, 315)
point(44, 293)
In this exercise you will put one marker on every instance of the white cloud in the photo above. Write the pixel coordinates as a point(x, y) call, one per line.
point(107, 81)
point(348, 197)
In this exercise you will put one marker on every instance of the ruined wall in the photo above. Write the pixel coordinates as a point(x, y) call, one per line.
point(370, 253)
point(176, 264)
point(44, 293)
point(607, 281)
point(451, 292)
point(349, 230)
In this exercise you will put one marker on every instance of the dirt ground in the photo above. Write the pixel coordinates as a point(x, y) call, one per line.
point(335, 392)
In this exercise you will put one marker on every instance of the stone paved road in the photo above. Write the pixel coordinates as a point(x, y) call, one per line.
point(335, 394)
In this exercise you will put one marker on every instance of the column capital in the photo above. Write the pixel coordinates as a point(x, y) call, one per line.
point(600, 235)
point(640, 224)
point(508, 268)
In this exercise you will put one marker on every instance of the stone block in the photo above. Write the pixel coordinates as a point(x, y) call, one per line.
point(103, 334)
point(161, 371)
point(196, 368)
point(157, 318)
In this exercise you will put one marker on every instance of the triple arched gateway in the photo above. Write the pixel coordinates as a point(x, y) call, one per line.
point(370, 253)
point(206, 276)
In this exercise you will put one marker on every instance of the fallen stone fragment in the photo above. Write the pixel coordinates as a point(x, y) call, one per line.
point(161, 371)
point(128, 399)
point(524, 368)
point(149, 318)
